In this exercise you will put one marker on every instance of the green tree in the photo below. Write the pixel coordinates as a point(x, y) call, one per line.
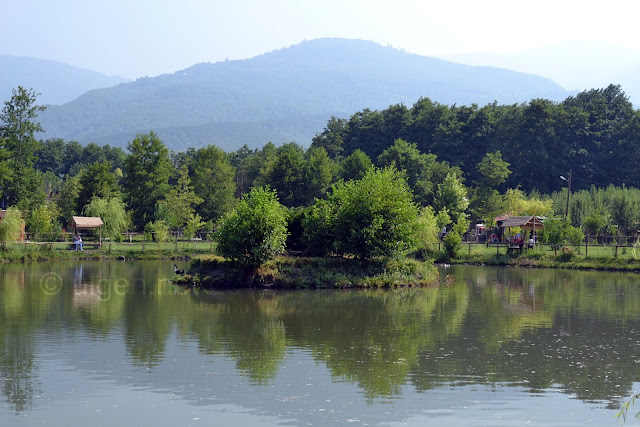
point(178, 205)
point(559, 231)
point(423, 172)
point(594, 223)
point(194, 223)
point(254, 168)
point(43, 223)
point(374, 216)
point(68, 198)
point(158, 229)
point(113, 213)
point(318, 175)
point(19, 126)
point(146, 174)
point(287, 174)
point(451, 197)
point(518, 204)
point(11, 226)
point(51, 156)
point(255, 231)
point(213, 180)
point(319, 229)
point(493, 169)
point(355, 165)
point(332, 137)
point(427, 232)
point(96, 180)
point(21, 184)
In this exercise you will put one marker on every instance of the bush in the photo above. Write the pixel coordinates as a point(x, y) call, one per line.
point(371, 217)
point(559, 231)
point(452, 243)
point(255, 231)
point(566, 255)
point(158, 231)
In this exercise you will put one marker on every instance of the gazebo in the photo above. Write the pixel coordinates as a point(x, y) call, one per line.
point(87, 223)
point(532, 223)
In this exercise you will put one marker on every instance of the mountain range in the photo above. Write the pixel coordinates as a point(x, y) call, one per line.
point(281, 96)
point(57, 83)
point(574, 65)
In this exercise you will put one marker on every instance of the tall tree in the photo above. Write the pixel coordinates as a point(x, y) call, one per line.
point(332, 137)
point(355, 165)
point(96, 180)
point(287, 173)
point(21, 183)
point(213, 180)
point(19, 125)
point(146, 171)
point(451, 197)
point(177, 207)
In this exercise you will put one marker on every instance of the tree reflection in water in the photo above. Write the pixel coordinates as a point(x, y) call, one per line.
point(538, 329)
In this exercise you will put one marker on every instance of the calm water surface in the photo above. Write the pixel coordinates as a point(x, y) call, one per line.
point(107, 343)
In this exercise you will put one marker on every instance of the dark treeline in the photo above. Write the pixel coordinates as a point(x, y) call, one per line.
point(596, 133)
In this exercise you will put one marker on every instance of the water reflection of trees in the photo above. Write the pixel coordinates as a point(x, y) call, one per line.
point(533, 328)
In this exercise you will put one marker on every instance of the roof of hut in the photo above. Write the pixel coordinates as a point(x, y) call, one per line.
point(86, 222)
point(526, 222)
point(501, 217)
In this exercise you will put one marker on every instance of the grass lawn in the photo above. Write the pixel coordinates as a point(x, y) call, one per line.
point(136, 248)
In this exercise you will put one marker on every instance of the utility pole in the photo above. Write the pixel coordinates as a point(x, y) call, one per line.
point(566, 211)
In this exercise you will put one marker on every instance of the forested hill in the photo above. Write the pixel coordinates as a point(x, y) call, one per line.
point(285, 95)
point(56, 83)
point(595, 133)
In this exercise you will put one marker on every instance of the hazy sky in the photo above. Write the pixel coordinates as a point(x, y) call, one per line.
point(134, 38)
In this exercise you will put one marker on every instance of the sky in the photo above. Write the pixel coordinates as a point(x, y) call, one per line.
point(137, 38)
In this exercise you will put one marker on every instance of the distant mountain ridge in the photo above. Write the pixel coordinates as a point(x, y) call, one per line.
point(574, 65)
point(285, 95)
point(56, 82)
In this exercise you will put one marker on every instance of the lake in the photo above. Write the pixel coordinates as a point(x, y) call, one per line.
point(105, 343)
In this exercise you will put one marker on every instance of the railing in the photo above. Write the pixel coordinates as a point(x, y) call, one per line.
point(137, 246)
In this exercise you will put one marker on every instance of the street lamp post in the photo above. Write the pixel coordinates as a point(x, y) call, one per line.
point(566, 212)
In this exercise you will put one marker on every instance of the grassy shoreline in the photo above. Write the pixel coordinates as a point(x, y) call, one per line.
point(567, 259)
point(213, 272)
point(31, 251)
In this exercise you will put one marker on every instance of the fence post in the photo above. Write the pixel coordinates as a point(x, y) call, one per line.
point(616, 255)
point(142, 246)
point(469, 248)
